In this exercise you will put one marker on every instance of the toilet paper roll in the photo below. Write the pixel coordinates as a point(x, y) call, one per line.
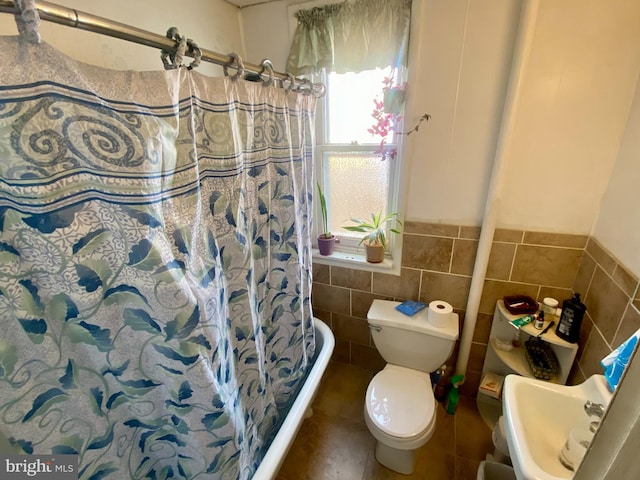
point(439, 313)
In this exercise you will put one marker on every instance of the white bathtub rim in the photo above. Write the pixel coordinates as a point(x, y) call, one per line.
point(268, 468)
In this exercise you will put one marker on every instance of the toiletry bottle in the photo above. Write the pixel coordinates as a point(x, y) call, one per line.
point(538, 323)
point(454, 394)
point(440, 389)
point(435, 377)
point(570, 319)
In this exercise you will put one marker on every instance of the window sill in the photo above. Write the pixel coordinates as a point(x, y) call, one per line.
point(356, 261)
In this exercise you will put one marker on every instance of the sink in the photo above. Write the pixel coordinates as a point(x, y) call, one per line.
point(538, 416)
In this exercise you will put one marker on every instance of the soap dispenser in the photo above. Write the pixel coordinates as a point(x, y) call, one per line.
point(570, 319)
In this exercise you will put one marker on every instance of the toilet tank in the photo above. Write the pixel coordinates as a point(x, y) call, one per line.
point(411, 341)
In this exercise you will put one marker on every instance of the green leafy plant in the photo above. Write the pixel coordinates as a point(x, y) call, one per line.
point(326, 233)
point(375, 229)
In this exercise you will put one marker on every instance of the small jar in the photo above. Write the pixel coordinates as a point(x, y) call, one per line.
point(550, 305)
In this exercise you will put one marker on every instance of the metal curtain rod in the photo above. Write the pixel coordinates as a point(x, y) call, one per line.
point(71, 17)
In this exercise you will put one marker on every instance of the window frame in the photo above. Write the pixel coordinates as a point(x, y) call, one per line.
point(347, 251)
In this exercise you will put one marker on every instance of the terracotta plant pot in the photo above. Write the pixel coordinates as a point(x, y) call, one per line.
point(326, 245)
point(374, 252)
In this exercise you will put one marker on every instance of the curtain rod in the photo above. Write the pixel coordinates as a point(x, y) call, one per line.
point(71, 17)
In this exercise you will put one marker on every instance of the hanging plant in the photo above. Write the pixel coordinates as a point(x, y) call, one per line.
point(387, 116)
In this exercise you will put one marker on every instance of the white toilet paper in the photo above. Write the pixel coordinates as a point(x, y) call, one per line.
point(439, 313)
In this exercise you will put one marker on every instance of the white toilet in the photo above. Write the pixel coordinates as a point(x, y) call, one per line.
point(399, 406)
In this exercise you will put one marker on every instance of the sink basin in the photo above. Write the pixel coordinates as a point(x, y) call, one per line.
point(538, 417)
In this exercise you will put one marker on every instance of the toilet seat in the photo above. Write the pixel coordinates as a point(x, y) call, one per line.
point(400, 403)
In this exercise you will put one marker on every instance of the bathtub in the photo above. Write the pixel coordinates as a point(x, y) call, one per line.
point(277, 452)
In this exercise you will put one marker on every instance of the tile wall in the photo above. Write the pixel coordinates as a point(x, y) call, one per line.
point(612, 298)
point(437, 263)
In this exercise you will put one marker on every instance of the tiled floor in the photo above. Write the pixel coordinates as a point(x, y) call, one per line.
point(334, 443)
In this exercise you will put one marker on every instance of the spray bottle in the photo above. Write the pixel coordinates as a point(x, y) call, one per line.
point(454, 394)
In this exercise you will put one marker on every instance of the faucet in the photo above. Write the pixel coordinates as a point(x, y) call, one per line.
point(594, 410)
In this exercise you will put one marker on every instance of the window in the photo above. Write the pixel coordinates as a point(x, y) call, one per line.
point(355, 178)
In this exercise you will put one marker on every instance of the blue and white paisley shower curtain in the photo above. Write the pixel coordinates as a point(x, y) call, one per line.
point(155, 312)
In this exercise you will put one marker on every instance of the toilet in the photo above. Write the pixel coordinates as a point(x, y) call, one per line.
point(400, 410)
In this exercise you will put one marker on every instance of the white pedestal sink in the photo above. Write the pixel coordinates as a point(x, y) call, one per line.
point(538, 417)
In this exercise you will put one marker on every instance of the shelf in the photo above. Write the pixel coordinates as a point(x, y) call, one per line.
point(550, 336)
point(490, 409)
point(516, 360)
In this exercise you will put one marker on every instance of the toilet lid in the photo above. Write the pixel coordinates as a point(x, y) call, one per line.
point(400, 401)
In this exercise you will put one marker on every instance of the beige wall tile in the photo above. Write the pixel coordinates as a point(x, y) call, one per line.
point(470, 232)
point(601, 256)
point(453, 358)
point(595, 350)
point(435, 229)
point(361, 302)
point(351, 329)
point(626, 280)
point(427, 253)
point(495, 290)
point(606, 304)
point(483, 328)
point(321, 273)
point(331, 299)
point(350, 278)
point(470, 386)
point(453, 289)
point(405, 287)
point(576, 376)
point(323, 315)
point(555, 239)
point(559, 294)
point(366, 357)
point(464, 256)
point(508, 235)
point(551, 266)
point(585, 274)
point(476, 356)
point(500, 260)
point(342, 351)
point(585, 331)
point(629, 325)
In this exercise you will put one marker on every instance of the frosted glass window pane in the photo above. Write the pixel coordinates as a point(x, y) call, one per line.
point(356, 185)
point(350, 104)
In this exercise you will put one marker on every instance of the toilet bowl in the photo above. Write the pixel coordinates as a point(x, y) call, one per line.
point(400, 414)
point(400, 410)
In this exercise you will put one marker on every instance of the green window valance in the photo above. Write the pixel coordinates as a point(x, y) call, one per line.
point(350, 37)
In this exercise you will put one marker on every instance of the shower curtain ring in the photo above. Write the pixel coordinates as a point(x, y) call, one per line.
point(268, 67)
point(292, 82)
point(28, 20)
point(197, 54)
point(236, 62)
point(318, 89)
point(305, 87)
point(172, 60)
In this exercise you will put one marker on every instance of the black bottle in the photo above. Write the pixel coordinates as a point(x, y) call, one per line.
point(570, 319)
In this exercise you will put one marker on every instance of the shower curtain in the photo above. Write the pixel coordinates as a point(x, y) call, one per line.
point(155, 280)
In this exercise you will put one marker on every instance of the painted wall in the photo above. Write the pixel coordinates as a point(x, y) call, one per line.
point(212, 24)
point(580, 83)
point(618, 224)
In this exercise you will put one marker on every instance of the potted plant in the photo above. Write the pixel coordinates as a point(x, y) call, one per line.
point(375, 238)
point(326, 240)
